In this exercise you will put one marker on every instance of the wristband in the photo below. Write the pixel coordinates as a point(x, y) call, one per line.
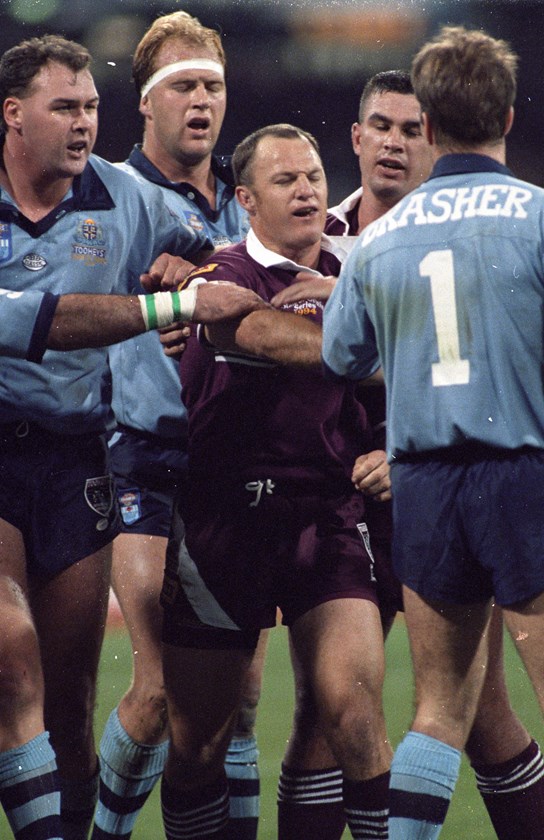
point(164, 308)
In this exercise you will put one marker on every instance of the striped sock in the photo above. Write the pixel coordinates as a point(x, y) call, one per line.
point(128, 774)
point(367, 807)
point(310, 804)
point(29, 790)
point(513, 793)
point(423, 776)
point(77, 804)
point(244, 787)
point(201, 813)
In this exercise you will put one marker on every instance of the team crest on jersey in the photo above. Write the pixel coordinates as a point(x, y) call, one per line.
point(129, 506)
point(5, 241)
point(34, 262)
point(193, 220)
point(89, 244)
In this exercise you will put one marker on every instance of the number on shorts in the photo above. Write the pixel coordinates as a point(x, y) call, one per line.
point(451, 369)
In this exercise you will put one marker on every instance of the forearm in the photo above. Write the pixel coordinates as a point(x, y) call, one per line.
point(279, 336)
point(94, 321)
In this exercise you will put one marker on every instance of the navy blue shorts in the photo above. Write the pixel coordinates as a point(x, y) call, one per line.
point(467, 530)
point(57, 491)
point(247, 550)
point(149, 473)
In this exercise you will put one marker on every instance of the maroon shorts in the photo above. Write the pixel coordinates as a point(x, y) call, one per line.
point(246, 551)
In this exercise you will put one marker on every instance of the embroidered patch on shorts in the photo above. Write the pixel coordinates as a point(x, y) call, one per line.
point(362, 527)
point(99, 495)
point(130, 506)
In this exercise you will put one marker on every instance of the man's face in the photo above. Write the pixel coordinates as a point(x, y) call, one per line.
point(185, 111)
point(394, 157)
point(57, 121)
point(287, 197)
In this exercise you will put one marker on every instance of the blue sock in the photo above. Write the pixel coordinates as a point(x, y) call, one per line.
point(423, 775)
point(244, 787)
point(29, 789)
point(128, 774)
point(77, 804)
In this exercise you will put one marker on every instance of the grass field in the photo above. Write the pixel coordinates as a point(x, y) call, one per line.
point(466, 818)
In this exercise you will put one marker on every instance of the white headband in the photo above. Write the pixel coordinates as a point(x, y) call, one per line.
point(188, 64)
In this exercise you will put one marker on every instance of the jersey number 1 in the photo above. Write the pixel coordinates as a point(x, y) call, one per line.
point(451, 369)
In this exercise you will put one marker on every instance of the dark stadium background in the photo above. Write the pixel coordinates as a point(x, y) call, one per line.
point(299, 61)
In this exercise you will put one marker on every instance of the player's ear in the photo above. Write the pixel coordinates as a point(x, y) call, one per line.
point(246, 199)
point(356, 138)
point(145, 107)
point(12, 113)
point(428, 131)
point(509, 121)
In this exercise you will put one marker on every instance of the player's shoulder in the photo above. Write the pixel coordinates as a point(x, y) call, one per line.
point(229, 263)
point(121, 178)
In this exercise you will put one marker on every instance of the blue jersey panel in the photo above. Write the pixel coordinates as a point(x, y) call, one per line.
point(146, 387)
point(447, 290)
point(20, 312)
point(107, 231)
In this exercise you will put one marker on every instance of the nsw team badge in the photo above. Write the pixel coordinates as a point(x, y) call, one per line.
point(99, 497)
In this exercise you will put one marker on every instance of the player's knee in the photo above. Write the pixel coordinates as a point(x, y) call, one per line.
point(20, 674)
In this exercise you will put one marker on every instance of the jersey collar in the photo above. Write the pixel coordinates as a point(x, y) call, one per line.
point(465, 164)
point(221, 168)
point(269, 259)
point(88, 192)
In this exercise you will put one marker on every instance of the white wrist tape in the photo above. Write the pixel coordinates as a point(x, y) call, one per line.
point(165, 308)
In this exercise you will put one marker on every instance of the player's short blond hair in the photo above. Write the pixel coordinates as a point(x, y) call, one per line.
point(178, 25)
point(465, 81)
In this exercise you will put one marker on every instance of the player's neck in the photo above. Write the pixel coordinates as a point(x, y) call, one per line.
point(35, 193)
point(307, 257)
point(199, 175)
point(371, 208)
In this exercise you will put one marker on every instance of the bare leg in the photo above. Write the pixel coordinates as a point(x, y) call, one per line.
point(449, 646)
point(525, 623)
point(339, 656)
point(137, 574)
point(27, 761)
point(203, 689)
point(70, 613)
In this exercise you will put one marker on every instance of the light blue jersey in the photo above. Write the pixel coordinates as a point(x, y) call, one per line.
point(139, 366)
point(103, 235)
point(447, 291)
point(26, 319)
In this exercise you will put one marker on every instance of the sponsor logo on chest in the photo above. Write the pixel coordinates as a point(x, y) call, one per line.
point(89, 245)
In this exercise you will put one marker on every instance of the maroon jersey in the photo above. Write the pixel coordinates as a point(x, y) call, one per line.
point(250, 418)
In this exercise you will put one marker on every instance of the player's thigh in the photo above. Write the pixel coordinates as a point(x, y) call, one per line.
point(339, 649)
point(70, 611)
point(137, 577)
point(525, 624)
point(203, 689)
point(449, 648)
point(12, 555)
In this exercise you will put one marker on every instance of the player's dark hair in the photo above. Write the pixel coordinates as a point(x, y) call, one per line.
point(388, 81)
point(465, 81)
point(245, 151)
point(20, 64)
